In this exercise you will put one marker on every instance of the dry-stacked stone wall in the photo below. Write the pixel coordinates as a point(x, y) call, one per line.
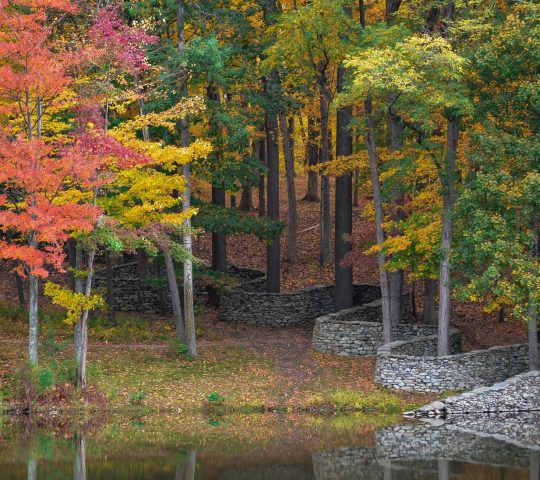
point(516, 394)
point(133, 294)
point(252, 306)
point(358, 330)
point(413, 365)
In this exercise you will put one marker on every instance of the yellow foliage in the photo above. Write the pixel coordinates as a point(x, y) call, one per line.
point(74, 303)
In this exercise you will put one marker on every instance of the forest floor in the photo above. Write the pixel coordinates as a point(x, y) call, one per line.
point(136, 365)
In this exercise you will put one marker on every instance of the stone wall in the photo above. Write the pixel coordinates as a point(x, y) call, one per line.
point(517, 394)
point(249, 305)
point(358, 330)
point(132, 294)
point(413, 365)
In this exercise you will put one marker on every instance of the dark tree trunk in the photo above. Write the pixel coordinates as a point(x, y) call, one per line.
point(246, 199)
point(288, 153)
point(260, 147)
point(272, 156)
point(109, 274)
point(533, 311)
point(142, 263)
point(343, 215)
point(233, 201)
point(219, 240)
point(311, 160)
point(430, 305)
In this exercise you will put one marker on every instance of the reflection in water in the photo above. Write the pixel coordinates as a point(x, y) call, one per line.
point(32, 468)
point(186, 467)
point(413, 451)
point(79, 463)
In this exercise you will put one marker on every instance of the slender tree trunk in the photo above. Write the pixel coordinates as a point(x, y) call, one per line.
point(260, 147)
point(20, 290)
point(33, 331)
point(379, 221)
point(189, 310)
point(219, 240)
point(79, 463)
point(175, 295)
point(343, 207)
point(356, 189)
point(448, 185)
point(397, 278)
point(81, 378)
point(430, 306)
point(325, 232)
point(288, 154)
point(18, 279)
point(532, 326)
point(78, 288)
point(311, 160)
point(109, 274)
point(273, 284)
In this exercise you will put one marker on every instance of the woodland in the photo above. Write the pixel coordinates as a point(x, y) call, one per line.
point(394, 142)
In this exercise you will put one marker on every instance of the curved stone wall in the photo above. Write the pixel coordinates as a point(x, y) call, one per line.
point(413, 365)
point(252, 306)
point(358, 330)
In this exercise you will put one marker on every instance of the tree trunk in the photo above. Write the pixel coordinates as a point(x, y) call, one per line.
point(343, 208)
point(273, 284)
point(533, 312)
point(379, 221)
point(430, 306)
point(325, 233)
point(288, 154)
point(260, 147)
point(33, 331)
point(78, 288)
point(109, 274)
point(356, 189)
point(233, 201)
point(219, 240)
point(311, 160)
point(189, 333)
point(175, 295)
point(142, 264)
point(397, 280)
point(246, 199)
point(188, 270)
point(447, 182)
point(81, 378)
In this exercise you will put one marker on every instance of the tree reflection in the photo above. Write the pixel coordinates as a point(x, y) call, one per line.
point(185, 470)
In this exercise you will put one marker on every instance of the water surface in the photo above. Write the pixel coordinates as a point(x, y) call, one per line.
point(257, 447)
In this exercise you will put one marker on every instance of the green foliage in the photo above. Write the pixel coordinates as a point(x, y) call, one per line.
point(137, 398)
point(177, 348)
point(230, 221)
point(215, 398)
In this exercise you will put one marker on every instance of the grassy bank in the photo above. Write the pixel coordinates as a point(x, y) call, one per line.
point(134, 366)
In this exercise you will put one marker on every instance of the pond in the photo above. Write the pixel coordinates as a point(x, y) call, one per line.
point(257, 447)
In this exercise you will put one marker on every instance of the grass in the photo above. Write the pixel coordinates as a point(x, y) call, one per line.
point(134, 366)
